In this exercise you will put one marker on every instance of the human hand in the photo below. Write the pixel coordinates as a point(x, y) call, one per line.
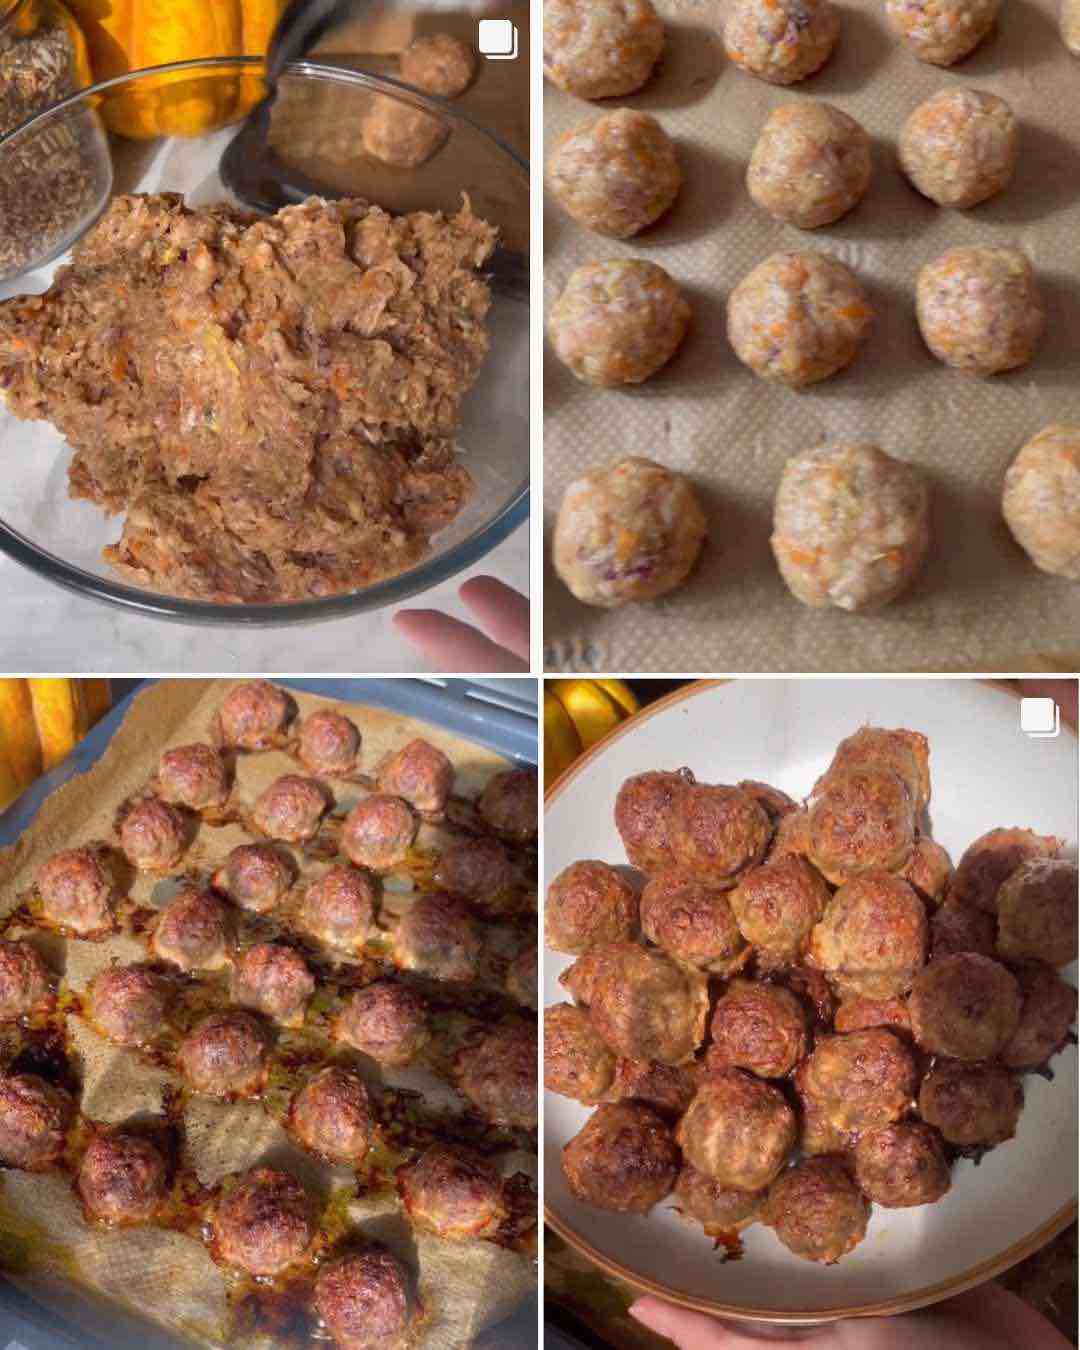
point(502, 615)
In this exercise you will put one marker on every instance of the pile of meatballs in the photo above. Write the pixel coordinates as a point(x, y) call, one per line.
point(802, 1010)
point(319, 924)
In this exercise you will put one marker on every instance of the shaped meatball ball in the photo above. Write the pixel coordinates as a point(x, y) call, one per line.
point(291, 808)
point(331, 1115)
point(959, 147)
point(479, 870)
point(385, 1020)
point(907, 753)
point(498, 1075)
point(991, 859)
point(34, 1120)
point(329, 744)
point(863, 822)
point(439, 64)
point(366, 1301)
point(792, 837)
point(262, 1223)
point(153, 836)
point(256, 715)
point(193, 931)
point(718, 833)
point(127, 1003)
point(647, 1007)
point(644, 809)
point(1037, 912)
point(419, 773)
point(339, 908)
point(508, 806)
point(872, 939)
point(777, 905)
point(961, 928)
point(667, 1088)
point(452, 1193)
point(580, 979)
point(195, 776)
point(624, 1159)
point(861, 1080)
point(928, 871)
point(773, 802)
point(810, 166)
point(398, 134)
point(941, 32)
point(716, 1207)
point(438, 936)
point(1047, 1013)
point(225, 1055)
point(122, 1179)
point(980, 309)
point(901, 1165)
point(379, 831)
point(25, 986)
point(577, 1063)
point(588, 903)
point(817, 1211)
point(692, 923)
point(275, 980)
point(1041, 500)
point(965, 1006)
point(973, 1105)
point(521, 979)
point(783, 41)
point(256, 877)
point(759, 1027)
point(738, 1130)
point(601, 48)
point(77, 890)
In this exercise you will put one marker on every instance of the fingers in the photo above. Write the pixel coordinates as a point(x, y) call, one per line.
point(503, 613)
point(454, 646)
point(696, 1331)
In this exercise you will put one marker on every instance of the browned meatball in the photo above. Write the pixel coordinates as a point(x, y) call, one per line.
point(647, 1007)
point(262, 1222)
point(419, 773)
point(961, 928)
point(792, 837)
point(1037, 912)
point(195, 776)
point(773, 802)
point(339, 908)
point(992, 858)
point(1047, 1013)
point(292, 808)
point(738, 1130)
point(521, 979)
point(906, 753)
point(817, 1211)
point(578, 980)
point(777, 905)
point(452, 1193)
point(127, 1003)
point(498, 1075)
point(901, 1165)
point(329, 743)
point(480, 871)
point(718, 832)
point(872, 938)
point(378, 832)
point(77, 890)
point(588, 903)
point(366, 1301)
point(643, 811)
point(122, 1178)
point(760, 1027)
point(624, 1159)
point(864, 820)
point(153, 836)
point(24, 982)
point(386, 1021)
point(331, 1115)
point(577, 1063)
point(860, 1014)
point(667, 1088)
point(255, 715)
point(256, 877)
point(965, 1006)
point(193, 931)
point(692, 923)
point(861, 1079)
point(507, 805)
point(928, 870)
point(226, 1055)
point(973, 1105)
point(275, 980)
point(34, 1119)
point(718, 1208)
point(439, 937)
point(817, 1133)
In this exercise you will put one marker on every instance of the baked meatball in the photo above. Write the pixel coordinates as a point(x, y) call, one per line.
point(452, 1193)
point(781, 41)
point(618, 321)
point(941, 32)
point(1037, 912)
point(479, 870)
point(577, 1063)
point(420, 774)
point(850, 526)
point(718, 1208)
point(34, 1120)
point(667, 1088)
point(863, 822)
point(379, 831)
point(580, 979)
point(225, 1055)
point(507, 805)
point(777, 905)
point(759, 1027)
point(262, 1224)
point(623, 1159)
point(810, 166)
point(718, 833)
point(398, 134)
point(127, 1003)
point(617, 174)
point(692, 923)
point(973, 1105)
point(438, 63)
point(980, 309)
point(385, 1020)
point(275, 980)
point(25, 986)
point(817, 1134)
point(861, 1080)
point(153, 836)
point(329, 744)
point(256, 877)
point(773, 802)
point(339, 908)
point(77, 890)
point(873, 938)
point(1070, 25)
point(366, 1301)
point(965, 1006)
point(521, 979)
point(959, 147)
point(601, 48)
point(647, 1007)
point(792, 837)
point(991, 859)
point(737, 1130)
point(907, 753)
point(588, 903)
point(195, 776)
point(643, 812)
point(1046, 1014)
point(122, 1179)
point(291, 808)
point(438, 936)
point(928, 871)
point(193, 931)
point(860, 1014)
point(817, 1211)
point(1041, 500)
point(331, 1115)
point(256, 715)
point(629, 531)
point(961, 928)
point(901, 1165)
point(498, 1075)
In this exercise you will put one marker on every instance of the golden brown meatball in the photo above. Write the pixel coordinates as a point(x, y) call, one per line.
point(718, 832)
point(817, 1133)
point(77, 890)
point(901, 1165)
point(624, 1159)
point(759, 1027)
point(862, 821)
point(861, 1080)
point(588, 903)
point(579, 979)
point(991, 859)
point(256, 877)
point(379, 831)
point(965, 1006)
point(195, 776)
point(647, 1007)
point(366, 1301)
point(262, 1223)
point(127, 1003)
point(643, 813)
point(718, 1208)
point(498, 1075)
point(385, 1020)
point(122, 1178)
point(438, 936)
point(255, 715)
point(480, 871)
point(667, 1088)
point(331, 1115)
point(452, 1193)
point(781, 41)
point(577, 1063)
point(738, 1130)
point(692, 923)
point(521, 978)
point(439, 64)
point(773, 802)
point(872, 939)
point(226, 1055)
point(507, 805)
point(973, 1105)
point(928, 870)
point(292, 808)
point(275, 980)
point(1047, 1013)
point(817, 1211)
point(907, 753)
point(193, 931)
point(329, 743)
point(1037, 912)
point(860, 1014)
point(34, 1120)
point(420, 774)
point(961, 928)
point(153, 836)
point(777, 905)
point(339, 908)
point(601, 48)
point(792, 837)
point(25, 986)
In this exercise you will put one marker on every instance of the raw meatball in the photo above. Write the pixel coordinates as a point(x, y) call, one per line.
point(810, 166)
point(718, 833)
point(861, 1080)
point(439, 937)
point(385, 1020)
point(617, 322)
point(979, 309)
point(959, 147)
point(498, 1075)
point(851, 526)
point(127, 1003)
point(863, 822)
point(647, 1007)
point(1070, 25)
point(1047, 1013)
point(692, 923)
point(965, 1006)
point(480, 871)
point(1041, 500)
point(366, 1301)
point(792, 837)
point(928, 870)
point(907, 753)
point(331, 1115)
point(759, 1027)
point(961, 928)
point(275, 980)
point(872, 940)
point(973, 1105)
point(195, 776)
point(256, 715)
point(901, 1165)
point(24, 982)
point(588, 903)
point(627, 532)
point(782, 41)
point(329, 743)
point(624, 1159)
point(262, 1223)
point(860, 1014)
point(397, 134)
point(292, 808)
point(577, 1063)
point(193, 931)
point(256, 877)
point(738, 1130)
point(420, 774)
point(991, 859)
point(452, 1193)
point(643, 813)
point(715, 1206)
point(521, 978)
point(34, 1120)
point(817, 1211)
point(226, 1055)
point(438, 64)
point(507, 805)
point(379, 831)
point(1037, 912)
point(615, 175)
point(942, 32)
point(339, 908)
point(153, 836)
point(122, 1179)
point(777, 905)
point(77, 890)
point(667, 1088)
point(601, 48)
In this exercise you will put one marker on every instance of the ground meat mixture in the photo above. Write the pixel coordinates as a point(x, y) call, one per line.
point(272, 402)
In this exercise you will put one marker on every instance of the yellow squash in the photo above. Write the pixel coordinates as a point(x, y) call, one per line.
point(590, 708)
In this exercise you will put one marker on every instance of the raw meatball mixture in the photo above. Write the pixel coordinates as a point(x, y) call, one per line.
point(77, 890)
point(959, 147)
point(498, 1075)
point(647, 1007)
point(811, 164)
point(153, 836)
point(851, 526)
point(438, 936)
point(379, 831)
point(965, 1006)
point(255, 715)
point(1037, 912)
point(738, 1130)
point(1041, 500)
point(624, 1159)
point(331, 1115)
point(438, 64)
point(292, 808)
point(329, 743)
point(193, 931)
point(256, 877)
point(262, 1222)
point(226, 1055)
point(973, 1105)
point(718, 832)
point(195, 776)
point(122, 1179)
point(643, 815)
point(901, 1165)
point(385, 1020)
point(942, 32)
point(861, 1079)
point(1048, 1011)
point(782, 41)
point(127, 1003)
point(366, 1300)
point(420, 774)
point(339, 908)
point(507, 805)
point(25, 986)
point(693, 923)
point(452, 1193)
point(872, 940)
point(980, 310)
point(718, 1208)
point(588, 903)
point(759, 1027)
point(577, 1063)
point(275, 980)
point(34, 1120)
point(777, 905)
point(817, 1211)
point(863, 821)
point(601, 48)
point(991, 859)
point(400, 135)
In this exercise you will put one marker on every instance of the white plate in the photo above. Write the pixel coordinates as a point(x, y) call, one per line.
point(985, 772)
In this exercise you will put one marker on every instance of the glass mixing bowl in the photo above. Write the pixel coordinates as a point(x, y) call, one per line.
point(312, 144)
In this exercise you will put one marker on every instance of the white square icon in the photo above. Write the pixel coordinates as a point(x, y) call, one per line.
point(1039, 717)
point(497, 39)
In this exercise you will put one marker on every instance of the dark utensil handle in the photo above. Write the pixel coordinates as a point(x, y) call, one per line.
point(300, 27)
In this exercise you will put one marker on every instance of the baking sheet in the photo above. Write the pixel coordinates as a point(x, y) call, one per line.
point(979, 603)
